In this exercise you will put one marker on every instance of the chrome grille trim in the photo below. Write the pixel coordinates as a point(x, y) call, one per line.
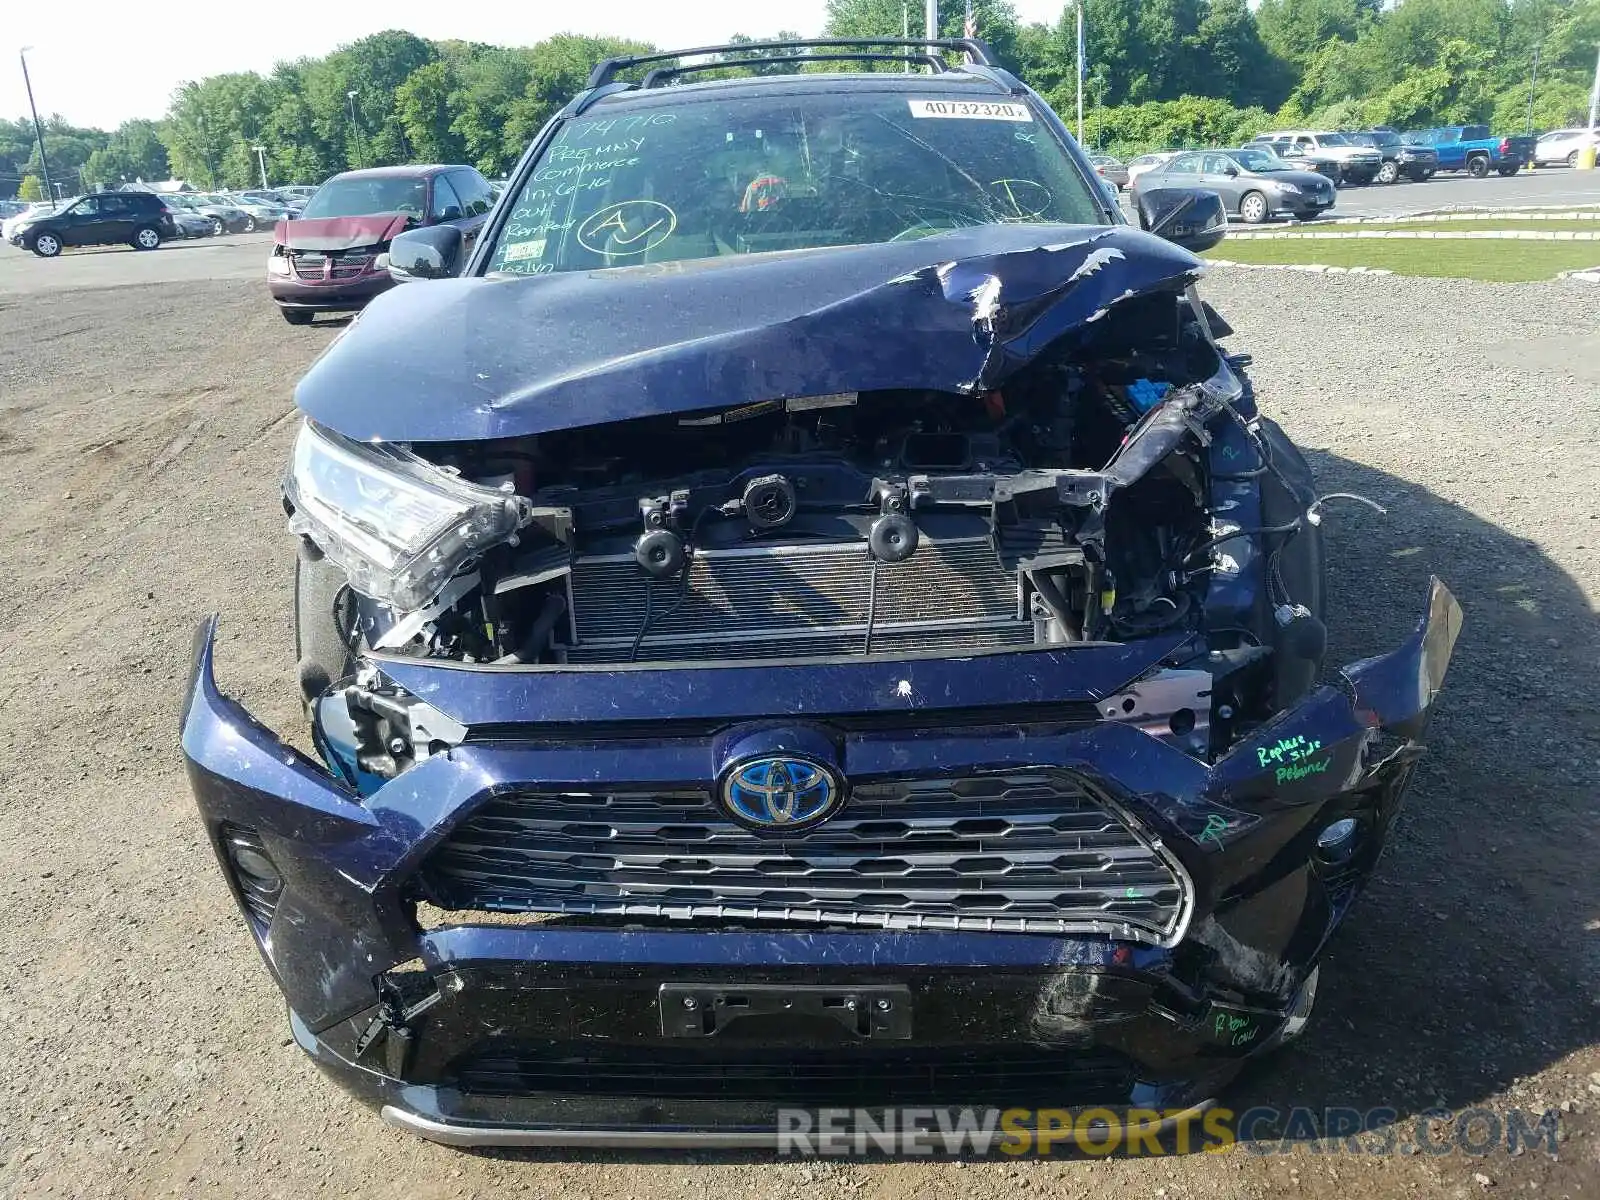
point(1023, 852)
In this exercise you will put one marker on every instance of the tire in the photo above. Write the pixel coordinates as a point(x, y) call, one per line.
point(1572, 159)
point(1508, 172)
point(1389, 172)
point(146, 237)
point(297, 316)
point(1419, 176)
point(249, 224)
point(218, 227)
point(1428, 174)
point(45, 245)
point(1253, 208)
point(1478, 166)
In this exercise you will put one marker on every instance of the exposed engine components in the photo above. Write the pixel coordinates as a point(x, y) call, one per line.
point(893, 538)
point(769, 502)
point(660, 553)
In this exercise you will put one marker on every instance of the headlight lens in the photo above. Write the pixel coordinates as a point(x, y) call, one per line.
point(1289, 189)
point(398, 526)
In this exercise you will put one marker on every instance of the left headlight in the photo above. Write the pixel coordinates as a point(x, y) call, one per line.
point(397, 525)
point(1289, 189)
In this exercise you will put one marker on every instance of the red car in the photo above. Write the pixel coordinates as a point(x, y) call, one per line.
point(333, 257)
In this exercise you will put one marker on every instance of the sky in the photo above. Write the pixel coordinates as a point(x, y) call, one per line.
point(100, 62)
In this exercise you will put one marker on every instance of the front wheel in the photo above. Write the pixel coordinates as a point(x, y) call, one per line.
point(1253, 208)
point(218, 227)
point(249, 224)
point(1478, 167)
point(1508, 172)
point(46, 245)
point(1389, 172)
point(1572, 159)
point(148, 237)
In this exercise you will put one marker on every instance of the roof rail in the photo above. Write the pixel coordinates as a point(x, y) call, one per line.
point(606, 71)
point(660, 75)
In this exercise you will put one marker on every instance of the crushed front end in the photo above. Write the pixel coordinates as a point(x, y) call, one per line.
point(954, 743)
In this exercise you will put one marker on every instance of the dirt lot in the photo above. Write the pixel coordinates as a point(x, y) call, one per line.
point(143, 1049)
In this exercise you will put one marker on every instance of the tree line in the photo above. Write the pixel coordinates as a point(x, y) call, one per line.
point(1158, 74)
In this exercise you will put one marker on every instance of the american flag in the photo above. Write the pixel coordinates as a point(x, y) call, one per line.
point(970, 27)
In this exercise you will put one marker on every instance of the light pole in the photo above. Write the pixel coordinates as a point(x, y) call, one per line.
point(1533, 86)
point(1077, 9)
point(355, 127)
point(261, 161)
point(38, 130)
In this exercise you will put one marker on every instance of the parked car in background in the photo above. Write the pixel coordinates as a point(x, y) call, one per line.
point(1306, 160)
point(229, 216)
point(138, 219)
point(332, 257)
point(189, 222)
point(11, 208)
point(1416, 163)
point(1473, 149)
point(1254, 184)
point(1110, 169)
point(28, 212)
point(1355, 163)
point(292, 203)
point(1144, 162)
point(1560, 147)
point(263, 211)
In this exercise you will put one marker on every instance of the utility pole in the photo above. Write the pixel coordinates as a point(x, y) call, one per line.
point(261, 161)
point(905, 29)
point(1533, 84)
point(1077, 8)
point(38, 130)
point(930, 23)
point(1594, 96)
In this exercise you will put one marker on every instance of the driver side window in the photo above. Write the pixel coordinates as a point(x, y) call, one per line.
point(446, 205)
point(85, 208)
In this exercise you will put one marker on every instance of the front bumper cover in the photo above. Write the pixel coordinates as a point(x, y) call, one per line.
point(481, 1032)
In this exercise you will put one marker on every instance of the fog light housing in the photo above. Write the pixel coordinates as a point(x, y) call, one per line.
point(254, 873)
point(1337, 840)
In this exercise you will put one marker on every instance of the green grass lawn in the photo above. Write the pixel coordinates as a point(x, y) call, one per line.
point(1568, 225)
point(1502, 261)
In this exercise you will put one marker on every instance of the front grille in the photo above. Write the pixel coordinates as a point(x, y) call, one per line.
point(799, 601)
point(843, 1077)
point(312, 264)
point(1030, 852)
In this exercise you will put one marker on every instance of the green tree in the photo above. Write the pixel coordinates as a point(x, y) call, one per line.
point(31, 188)
point(422, 103)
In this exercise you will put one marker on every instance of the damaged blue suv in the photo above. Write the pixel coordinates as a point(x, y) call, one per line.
point(801, 614)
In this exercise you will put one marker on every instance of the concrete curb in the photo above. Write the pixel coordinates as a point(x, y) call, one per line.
point(1592, 275)
point(1311, 268)
point(1303, 233)
point(1571, 212)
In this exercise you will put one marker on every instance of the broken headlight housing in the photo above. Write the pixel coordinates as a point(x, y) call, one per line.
point(398, 526)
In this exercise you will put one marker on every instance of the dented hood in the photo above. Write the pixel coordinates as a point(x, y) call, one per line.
point(489, 357)
point(340, 233)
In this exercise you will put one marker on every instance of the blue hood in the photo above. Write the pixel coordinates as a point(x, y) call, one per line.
point(481, 357)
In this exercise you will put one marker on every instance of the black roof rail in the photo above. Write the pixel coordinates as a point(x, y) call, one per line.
point(659, 75)
point(606, 71)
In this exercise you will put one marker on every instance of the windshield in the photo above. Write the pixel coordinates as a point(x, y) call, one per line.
point(1261, 160)
point(722, 177)
point(1333, 139)
point(1421, 137)
point(362, 197)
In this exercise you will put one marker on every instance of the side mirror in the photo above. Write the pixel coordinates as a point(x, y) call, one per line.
point(1230, 170)
point(432, 252)
point(1189, 217)
point(450, 213)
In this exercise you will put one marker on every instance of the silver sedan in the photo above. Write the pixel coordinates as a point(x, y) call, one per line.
point(1254, 184)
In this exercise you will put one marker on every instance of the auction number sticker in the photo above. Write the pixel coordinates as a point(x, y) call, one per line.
point(971, 110)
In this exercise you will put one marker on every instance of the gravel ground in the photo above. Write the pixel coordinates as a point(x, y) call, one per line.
point(145, 1052)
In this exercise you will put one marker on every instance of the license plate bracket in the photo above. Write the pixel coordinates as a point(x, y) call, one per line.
point(869, 1011)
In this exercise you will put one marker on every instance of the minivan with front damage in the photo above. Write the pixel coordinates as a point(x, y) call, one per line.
point(803, 614)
